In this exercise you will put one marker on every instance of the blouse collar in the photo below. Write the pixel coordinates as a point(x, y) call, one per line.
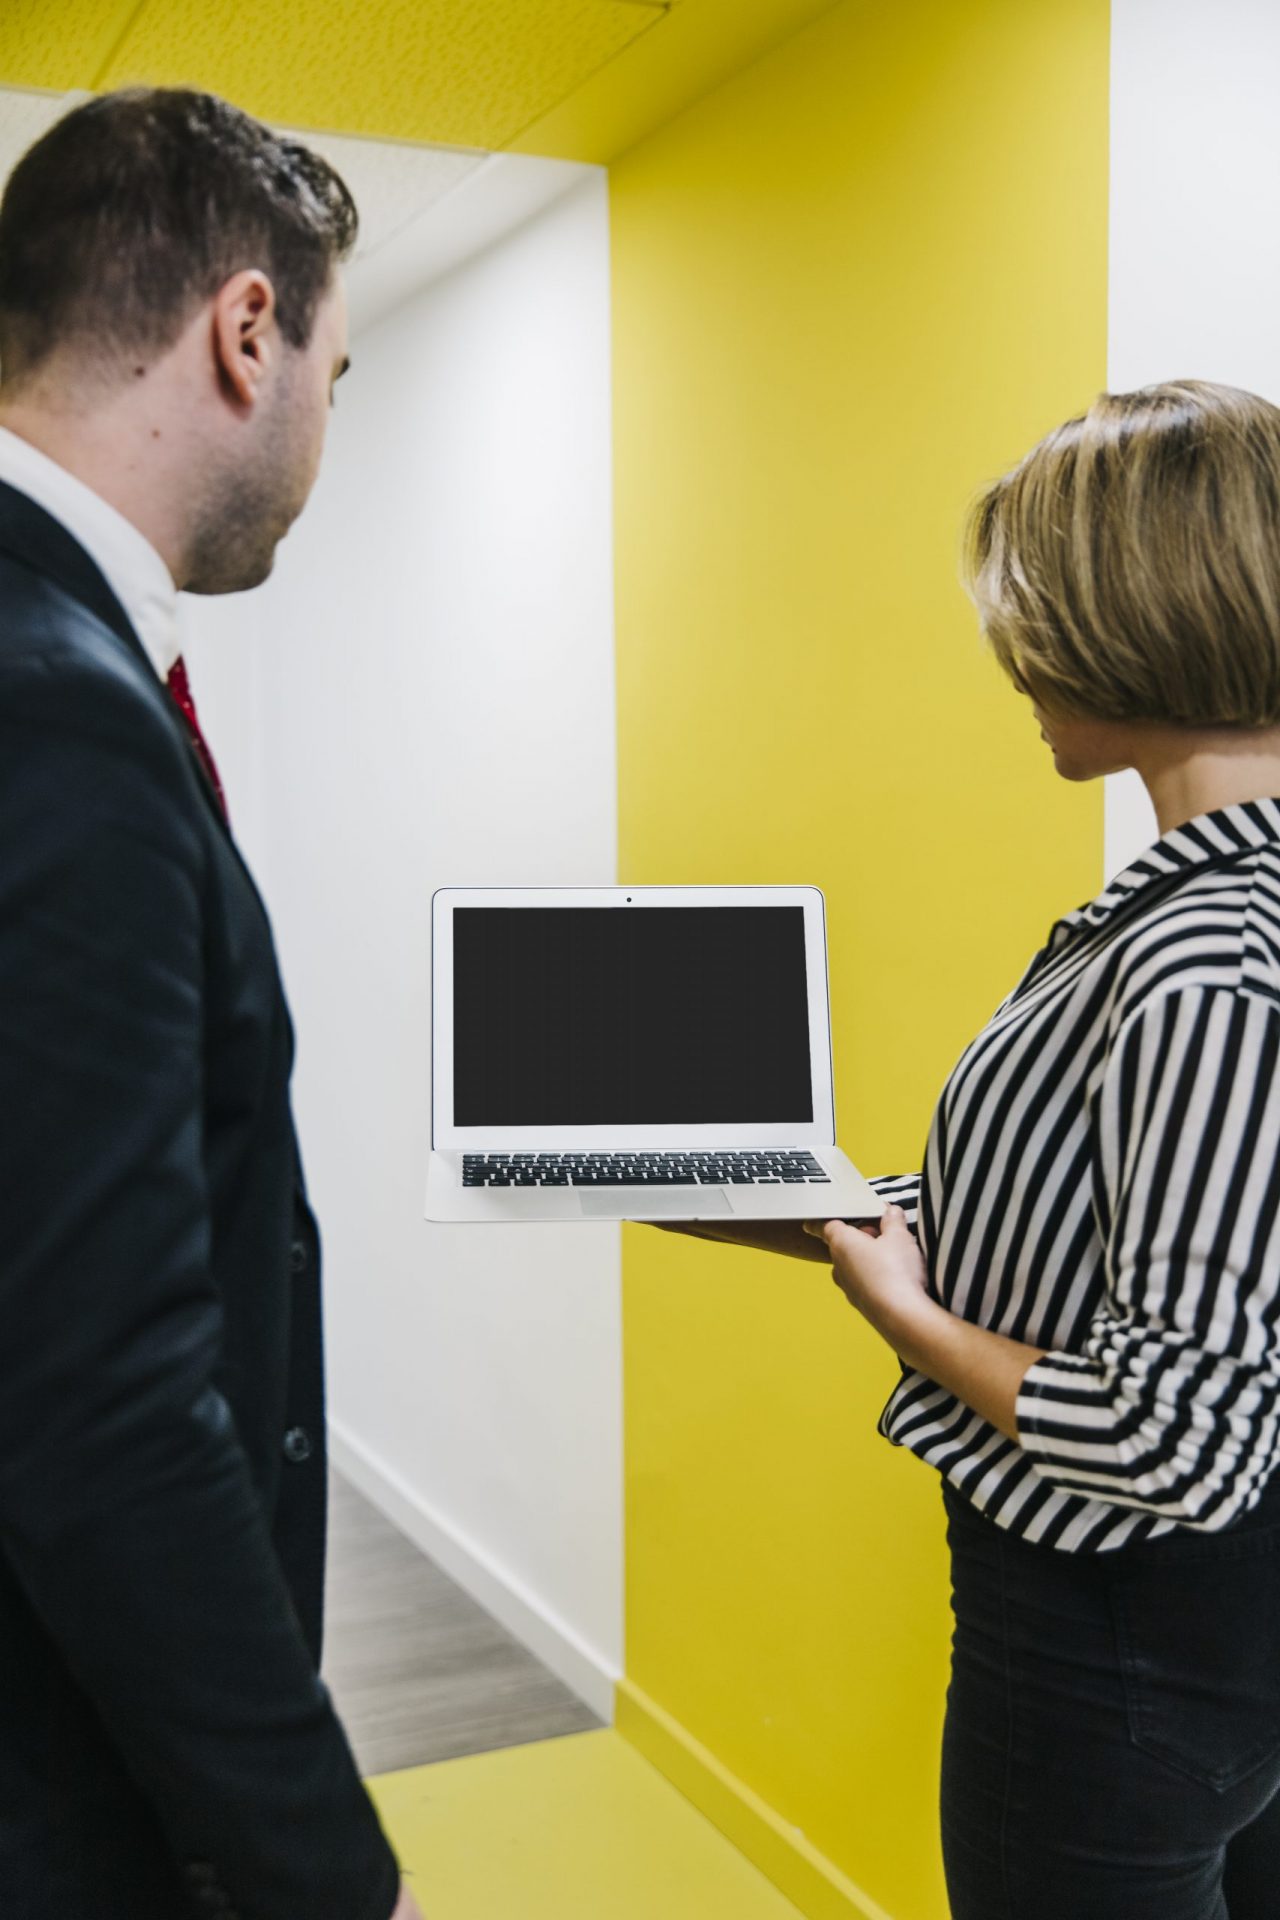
point(1223, 834)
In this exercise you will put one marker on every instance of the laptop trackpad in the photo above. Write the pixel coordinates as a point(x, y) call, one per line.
point(614, 1202)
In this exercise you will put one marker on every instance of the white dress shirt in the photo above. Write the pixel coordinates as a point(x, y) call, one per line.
point(127, 560)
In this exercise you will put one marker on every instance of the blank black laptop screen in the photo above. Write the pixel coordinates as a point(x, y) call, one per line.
point(620, 1016)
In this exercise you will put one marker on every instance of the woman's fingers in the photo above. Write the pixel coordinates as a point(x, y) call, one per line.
point(834, 1232)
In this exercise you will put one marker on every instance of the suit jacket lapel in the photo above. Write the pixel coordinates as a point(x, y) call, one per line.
point(38, 540)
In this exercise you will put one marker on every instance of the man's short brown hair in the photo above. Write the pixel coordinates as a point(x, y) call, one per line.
point(1129, 567)
point(137, 206)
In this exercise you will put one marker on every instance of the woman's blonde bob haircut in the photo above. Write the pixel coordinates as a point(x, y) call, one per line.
point(1129, 567)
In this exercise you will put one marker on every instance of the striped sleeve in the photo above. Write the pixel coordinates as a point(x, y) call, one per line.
point(1172, 1406)
point(900, 1190)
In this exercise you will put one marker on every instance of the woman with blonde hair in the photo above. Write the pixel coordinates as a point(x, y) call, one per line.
point(1083, 1284)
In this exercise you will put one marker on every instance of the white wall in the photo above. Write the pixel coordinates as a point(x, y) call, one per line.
point(423, 695)
point(1195, 225)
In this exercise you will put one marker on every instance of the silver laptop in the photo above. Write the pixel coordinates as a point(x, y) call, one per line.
point(634, 1053)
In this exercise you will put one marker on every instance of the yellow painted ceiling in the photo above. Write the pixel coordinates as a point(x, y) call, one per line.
point(699, 44)
point(579, 79)
point(59, 43)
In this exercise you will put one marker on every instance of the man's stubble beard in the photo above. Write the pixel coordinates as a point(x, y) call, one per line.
point(245, 508)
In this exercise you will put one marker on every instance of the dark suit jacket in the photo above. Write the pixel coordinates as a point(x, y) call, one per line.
point(165, 1744)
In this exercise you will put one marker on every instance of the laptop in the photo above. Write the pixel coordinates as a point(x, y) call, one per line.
point(634, 1053)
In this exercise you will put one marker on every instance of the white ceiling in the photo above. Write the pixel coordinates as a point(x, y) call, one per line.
point(391, 183)
point(408, 237)
point(24, 117)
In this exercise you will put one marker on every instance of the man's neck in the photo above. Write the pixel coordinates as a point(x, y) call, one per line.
point(117, 452)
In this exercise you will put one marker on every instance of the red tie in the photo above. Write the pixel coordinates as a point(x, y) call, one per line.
point(180, 689)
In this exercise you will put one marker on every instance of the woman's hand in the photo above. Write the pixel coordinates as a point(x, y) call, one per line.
point(881, 1271)
point(884, 1275)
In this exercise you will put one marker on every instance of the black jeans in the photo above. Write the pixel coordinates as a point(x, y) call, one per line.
point(1112, 1741)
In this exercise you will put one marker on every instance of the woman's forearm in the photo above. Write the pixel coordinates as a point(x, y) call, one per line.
point(885, 1277)
point(982, 1368)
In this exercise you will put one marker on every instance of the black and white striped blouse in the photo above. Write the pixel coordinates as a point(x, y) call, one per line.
point(1102, 1179)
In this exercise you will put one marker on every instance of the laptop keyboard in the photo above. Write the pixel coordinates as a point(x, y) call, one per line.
point(763, 1168)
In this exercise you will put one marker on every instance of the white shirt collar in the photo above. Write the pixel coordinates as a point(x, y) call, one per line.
point(127, 560)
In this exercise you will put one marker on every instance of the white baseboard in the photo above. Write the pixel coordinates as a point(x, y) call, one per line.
point(582, 1667)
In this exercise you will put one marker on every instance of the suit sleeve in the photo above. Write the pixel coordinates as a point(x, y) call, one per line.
point(1173, 1405)
point(126, 1506)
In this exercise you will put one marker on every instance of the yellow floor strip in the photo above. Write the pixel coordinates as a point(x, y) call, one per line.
point(576, 1829)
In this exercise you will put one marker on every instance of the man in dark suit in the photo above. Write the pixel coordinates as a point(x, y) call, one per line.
point(171, 325)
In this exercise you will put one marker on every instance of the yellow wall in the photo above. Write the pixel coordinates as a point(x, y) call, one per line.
point(849, 285)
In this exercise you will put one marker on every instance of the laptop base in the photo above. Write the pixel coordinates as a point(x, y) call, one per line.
point(846, 1196)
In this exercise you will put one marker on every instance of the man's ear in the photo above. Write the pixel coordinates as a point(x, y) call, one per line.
point(245, 335)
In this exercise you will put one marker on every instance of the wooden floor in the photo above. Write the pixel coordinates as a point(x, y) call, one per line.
point(417, 1670)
